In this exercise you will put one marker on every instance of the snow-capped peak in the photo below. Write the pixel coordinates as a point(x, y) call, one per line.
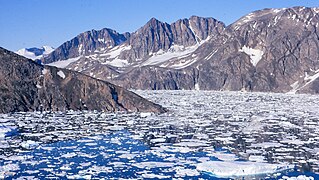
point(35, 53)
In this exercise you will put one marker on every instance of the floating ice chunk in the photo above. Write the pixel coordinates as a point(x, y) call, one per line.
point(5, 170)
point(300, 177)
point(257, 158)
point(267, 144)
point(29, 144)
point(235, 169)
point(255, 54)
point(69, 155)
point(149, 165)
point(65, 168)
point(224, 156)
point(182, 172)
point(77, 176)
point(6, 131)
point(145, 114)
point(61, 74)
point(155, 176)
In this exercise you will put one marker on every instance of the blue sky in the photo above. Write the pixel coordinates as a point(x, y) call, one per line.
point(33, 23)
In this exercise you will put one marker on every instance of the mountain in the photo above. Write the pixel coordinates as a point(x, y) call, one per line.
point(86, 43)
point(35, 53)
point(28, 86)
point(156, 43)
point(271, 50)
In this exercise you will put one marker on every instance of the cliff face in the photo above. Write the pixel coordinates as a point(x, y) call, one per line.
point(27, 86)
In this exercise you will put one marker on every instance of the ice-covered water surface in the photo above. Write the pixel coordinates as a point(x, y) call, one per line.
point(255, 133)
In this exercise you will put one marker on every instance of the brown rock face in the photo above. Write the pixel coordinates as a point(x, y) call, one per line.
point(27, 86)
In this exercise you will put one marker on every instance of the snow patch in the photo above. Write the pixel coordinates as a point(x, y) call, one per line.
point(61, 74)
point(81, 50)
point(175, 51)
point(197, 87)
point(255, 54)
point(276, 10)
point(196, 36)
point(64, 63)
point(35, 53)
point(115, 52)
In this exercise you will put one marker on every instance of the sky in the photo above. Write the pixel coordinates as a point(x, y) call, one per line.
point(34, 23)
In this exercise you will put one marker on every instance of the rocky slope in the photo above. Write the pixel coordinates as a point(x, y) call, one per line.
point(27, 86)
point(268, 50)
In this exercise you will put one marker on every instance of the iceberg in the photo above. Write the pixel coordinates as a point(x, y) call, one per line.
point(240, 168)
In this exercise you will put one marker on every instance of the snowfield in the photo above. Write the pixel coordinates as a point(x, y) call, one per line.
point(205, 135)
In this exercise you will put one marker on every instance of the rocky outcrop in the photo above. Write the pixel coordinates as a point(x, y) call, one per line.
point(28, 86)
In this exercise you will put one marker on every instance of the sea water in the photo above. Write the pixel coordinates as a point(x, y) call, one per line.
point(205, 135)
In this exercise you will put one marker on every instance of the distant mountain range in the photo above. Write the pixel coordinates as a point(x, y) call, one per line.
point(28, 86)
point(272, 50)
point(35, 53)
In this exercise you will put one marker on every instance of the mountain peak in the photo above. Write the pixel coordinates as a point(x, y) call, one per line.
point(35, 53)
point(153, 22)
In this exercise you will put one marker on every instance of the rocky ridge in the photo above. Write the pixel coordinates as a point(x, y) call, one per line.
point(28, 86)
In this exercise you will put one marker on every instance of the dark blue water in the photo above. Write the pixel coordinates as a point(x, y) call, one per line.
point(116, 155)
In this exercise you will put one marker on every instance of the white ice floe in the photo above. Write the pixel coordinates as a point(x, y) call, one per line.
point(255, 54)
point(233, 169)
point(182, 172)
point(255, 158)
point(224, 156)
point(4, 130)
point(69, 155)
point(153, 164)
point(29, 144)
point(61, 74)
point(154, 176)
point(5, 170)
point(145, 114)
point(300, 177)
